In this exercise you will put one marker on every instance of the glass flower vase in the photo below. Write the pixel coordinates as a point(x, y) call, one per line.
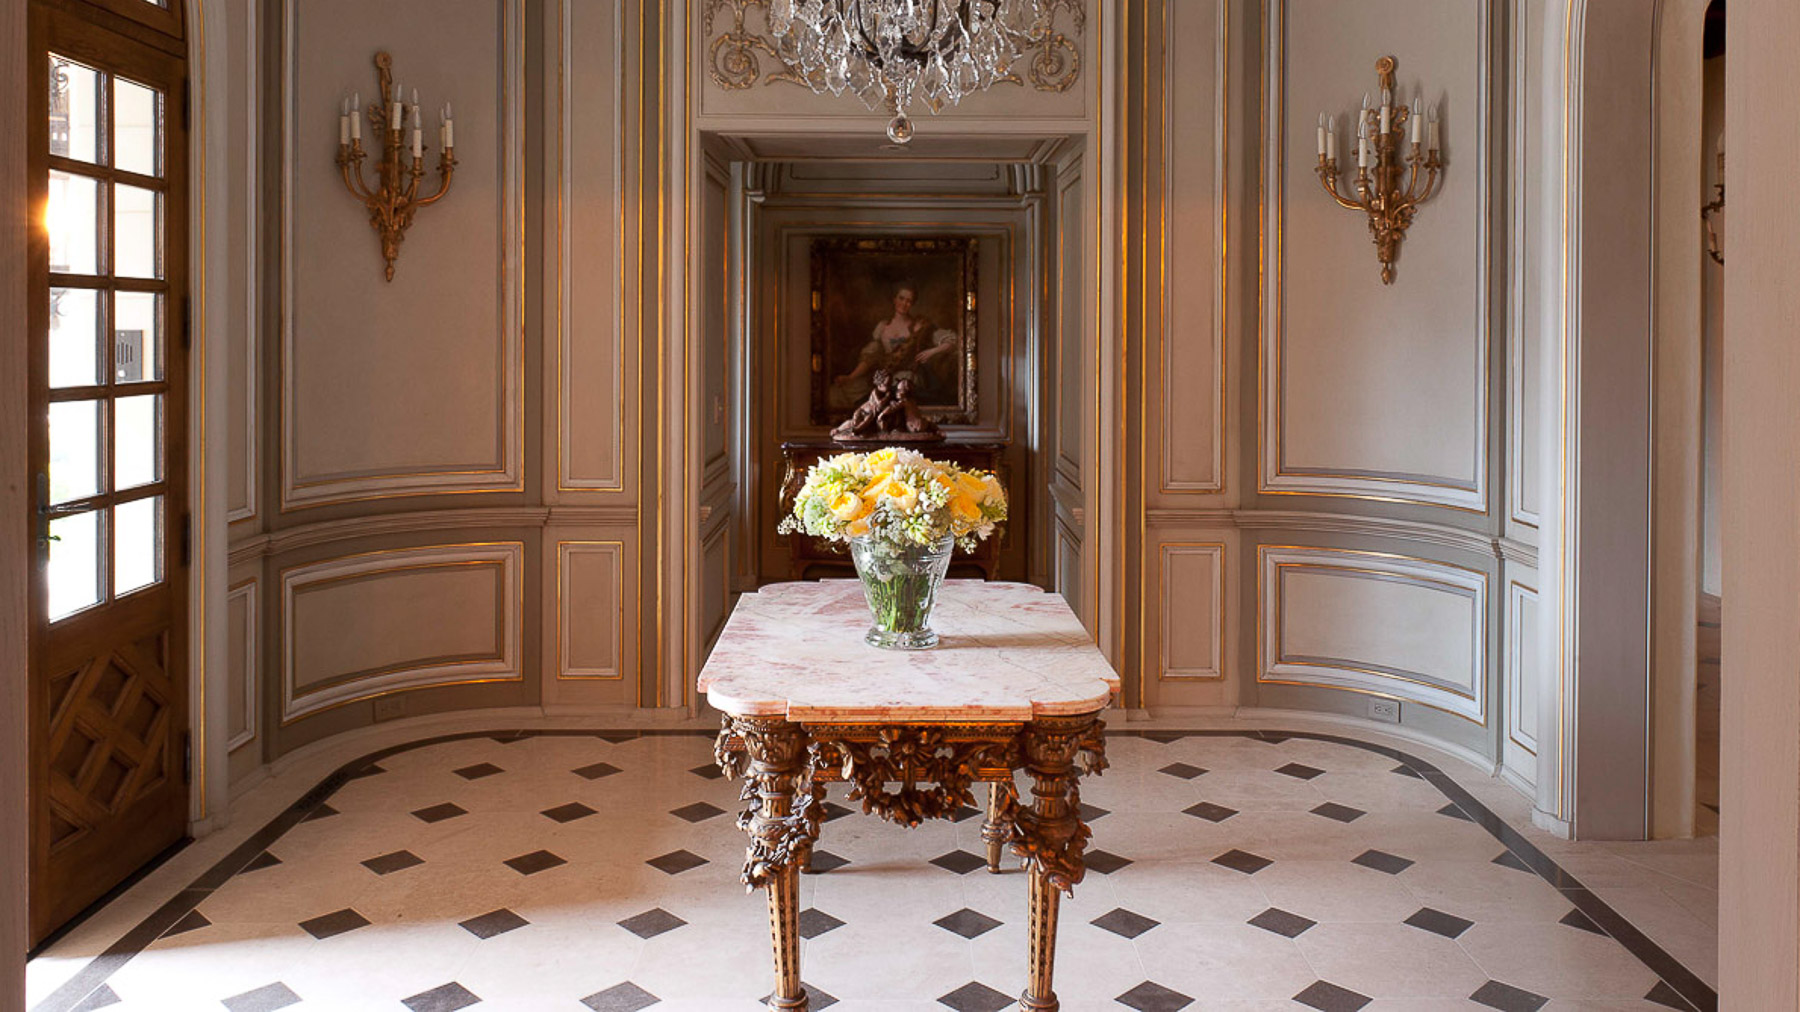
point(900, 581)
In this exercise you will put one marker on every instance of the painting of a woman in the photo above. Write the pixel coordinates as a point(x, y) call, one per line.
point(908, 346)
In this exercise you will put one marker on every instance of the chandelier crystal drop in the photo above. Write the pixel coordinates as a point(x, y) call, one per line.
point(893, 53)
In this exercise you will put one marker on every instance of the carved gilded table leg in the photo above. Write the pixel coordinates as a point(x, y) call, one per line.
point(995, 831)
point(782, 823)
point(1050, 837)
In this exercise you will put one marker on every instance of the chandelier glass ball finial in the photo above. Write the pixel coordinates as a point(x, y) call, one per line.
point(894, 53)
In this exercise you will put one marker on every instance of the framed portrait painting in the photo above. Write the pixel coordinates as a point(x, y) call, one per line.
point(904, 304)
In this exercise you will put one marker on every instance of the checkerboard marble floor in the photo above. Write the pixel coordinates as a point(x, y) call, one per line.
point(599, 871)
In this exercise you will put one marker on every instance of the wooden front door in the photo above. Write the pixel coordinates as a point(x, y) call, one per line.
point(109, 708)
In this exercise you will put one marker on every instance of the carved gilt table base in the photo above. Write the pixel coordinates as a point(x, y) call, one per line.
point(930, 768)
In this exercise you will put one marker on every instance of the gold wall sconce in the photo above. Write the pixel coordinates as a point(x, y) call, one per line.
point(1398, 165)
point(394, 199)
point(1712, 212)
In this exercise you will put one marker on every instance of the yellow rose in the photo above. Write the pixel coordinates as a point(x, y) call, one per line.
point(901, 496)
point(965, 508)
point(846, 506)
point(969, 484)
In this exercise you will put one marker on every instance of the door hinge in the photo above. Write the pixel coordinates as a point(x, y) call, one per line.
point(187, 324)
point(187, 757)
point(187, 539)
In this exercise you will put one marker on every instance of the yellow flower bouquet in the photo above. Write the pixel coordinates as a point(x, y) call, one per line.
point(902, 514)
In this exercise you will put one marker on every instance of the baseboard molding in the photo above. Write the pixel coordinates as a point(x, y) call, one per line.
point(1371, 729)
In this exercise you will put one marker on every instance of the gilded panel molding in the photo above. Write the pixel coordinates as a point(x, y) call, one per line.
point(300, 491)
point(245, 596)
point(249, 343)
point(1278, 665)
point(567, 606)
point(566, 101)
point(1518, 597)
point(505, 664)
point(1276, 476)
point(1173, 614)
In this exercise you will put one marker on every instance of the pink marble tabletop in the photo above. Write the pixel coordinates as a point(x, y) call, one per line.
point(1007, 651)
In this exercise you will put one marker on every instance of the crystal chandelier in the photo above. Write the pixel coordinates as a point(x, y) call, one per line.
point(891, 53)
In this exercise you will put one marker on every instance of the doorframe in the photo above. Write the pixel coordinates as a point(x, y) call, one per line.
point(16, 535)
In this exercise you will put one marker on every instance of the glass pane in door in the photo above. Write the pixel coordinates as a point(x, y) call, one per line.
point(137, 545)
point(74, 450)
point(137, 337)
point(137, 128)
point(74, 568)
point(74, 110)
point(74, 337)
point(137, 431)
point(137, 228)
point(72, 218)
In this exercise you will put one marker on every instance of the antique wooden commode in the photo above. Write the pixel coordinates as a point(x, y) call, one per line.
point(1015, 684)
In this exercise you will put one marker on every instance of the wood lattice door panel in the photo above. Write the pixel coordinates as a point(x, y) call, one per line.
point(109, 448)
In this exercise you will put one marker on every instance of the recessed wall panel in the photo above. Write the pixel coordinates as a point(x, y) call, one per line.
point(1192, 618)
point(411, 385)
point(364, 625)
point(1523, 671)
point(1387, 625)
point(1371, 389)
point(242, 665)
point(589, 596)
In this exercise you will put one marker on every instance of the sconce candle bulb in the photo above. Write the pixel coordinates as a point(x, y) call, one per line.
point(1390, 185)
point(395, 198)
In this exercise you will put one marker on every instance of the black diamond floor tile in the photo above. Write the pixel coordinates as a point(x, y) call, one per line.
point(699, 811)
point(1454, 812)
point(1104, 862)
point(595, 771)
point(372, 769)
point(102, 997)
point(387, 864)
point(1439, 923)
point(477, 771)
point(267, 998)
point(193, 921)
point(1381, 860)
point(710, 771)
point(335, 923)
point(1328, 997)
point(815, 998)
point(1407, 771)
point(964, 813)
point(1185, 771)
point(676, 861)
point(1342, 813)
point(1123, 922)
point(1210, 812)
point(259, 862)
point(567, 813)
point(321, 812)
point(815, 922)
point(959, 861)
point(1242, 860)
point(1507, 998)
point(1511, 860)
point(626, 997)
point(1091, 812)
point(494, 922)
point(1299, 771)
point(651, 923)
point(967, 923)
point(824, 861)
point(534, 862)
point(1577, 919)
point(508, 737)
point(976, 997)
point(438, 813)
point(1153, 997)
point(443, 998)
point(834, 811)
point(1666, 996)
point(1281, 922)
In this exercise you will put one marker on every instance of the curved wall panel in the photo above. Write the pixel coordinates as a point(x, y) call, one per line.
point(1384, 625)
point(361, 626)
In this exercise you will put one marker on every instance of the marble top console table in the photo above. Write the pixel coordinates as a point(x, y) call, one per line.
point(1014, 684)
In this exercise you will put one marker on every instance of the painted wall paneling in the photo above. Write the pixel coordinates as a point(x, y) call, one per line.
point(360, 626)
point(1191, 628)
point(243, 341)
point(1527, 221)
point(244, 666)
point(1524, 681)
point(413, 386)
point(591, 632)
point(1370, 391)
point(1378, 624)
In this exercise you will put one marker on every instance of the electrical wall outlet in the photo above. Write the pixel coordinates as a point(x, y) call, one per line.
point(390, 707)
point(1385, 710)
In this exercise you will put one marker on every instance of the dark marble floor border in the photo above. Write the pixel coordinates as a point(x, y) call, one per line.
point(1678, 978)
